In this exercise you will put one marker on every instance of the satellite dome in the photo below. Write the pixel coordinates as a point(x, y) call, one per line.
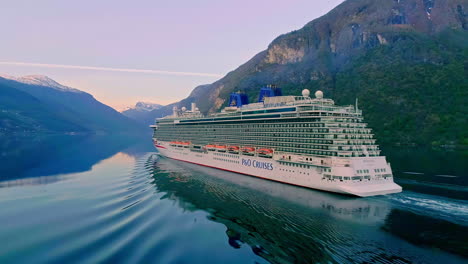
point(184, 108)
point(305, 93)
point(319, 94)
point(174, 108)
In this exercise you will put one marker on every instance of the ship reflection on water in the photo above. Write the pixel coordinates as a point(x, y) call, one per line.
point(288, 224)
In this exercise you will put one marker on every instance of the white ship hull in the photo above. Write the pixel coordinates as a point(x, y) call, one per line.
point(271, 169)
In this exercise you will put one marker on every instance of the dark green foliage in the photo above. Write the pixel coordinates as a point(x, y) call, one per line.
point(414, 91)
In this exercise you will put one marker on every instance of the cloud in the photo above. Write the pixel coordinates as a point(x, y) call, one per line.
point(76, 67)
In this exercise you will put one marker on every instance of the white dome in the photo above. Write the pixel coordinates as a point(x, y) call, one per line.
point(184, 108)
point(319, 94)
point(305, 93)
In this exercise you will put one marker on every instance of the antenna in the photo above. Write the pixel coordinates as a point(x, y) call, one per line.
point(356, 104)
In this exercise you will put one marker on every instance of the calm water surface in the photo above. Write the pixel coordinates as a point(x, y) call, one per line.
point(95, 199)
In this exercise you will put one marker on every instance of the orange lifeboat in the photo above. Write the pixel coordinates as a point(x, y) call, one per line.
point(248, 150)
point(234, 149)
point(211, 147)
point(221, 148)
point(265, 152)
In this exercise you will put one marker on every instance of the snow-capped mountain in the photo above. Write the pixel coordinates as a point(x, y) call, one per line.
point(38, 103)
point(40, 80)
point(144, 106)
point(141, 110)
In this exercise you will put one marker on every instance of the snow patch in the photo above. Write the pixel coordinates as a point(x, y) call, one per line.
point(144, 107)
point(40, 80)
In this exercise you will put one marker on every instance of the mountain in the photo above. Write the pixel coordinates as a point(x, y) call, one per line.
point(146, 107)
point(405, 60)
point(198, 93)
point(20, 111)
point(39, 104)
point(40, 80)
point(140, 111)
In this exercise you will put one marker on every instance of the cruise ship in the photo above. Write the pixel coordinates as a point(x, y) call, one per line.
point(298, 140)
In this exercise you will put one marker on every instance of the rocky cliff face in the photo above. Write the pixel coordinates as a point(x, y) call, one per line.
point(408, 32)
point(325, 45)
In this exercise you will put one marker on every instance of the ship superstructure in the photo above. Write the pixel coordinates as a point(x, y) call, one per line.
point(298, 140)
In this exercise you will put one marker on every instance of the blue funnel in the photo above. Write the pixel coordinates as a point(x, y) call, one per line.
point(238, 99)
point(269, 91)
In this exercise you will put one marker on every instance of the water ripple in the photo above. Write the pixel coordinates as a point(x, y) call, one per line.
point(451, 210)
point(163, 211)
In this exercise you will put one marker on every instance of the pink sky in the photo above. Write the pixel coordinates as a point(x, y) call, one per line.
point(204, 39)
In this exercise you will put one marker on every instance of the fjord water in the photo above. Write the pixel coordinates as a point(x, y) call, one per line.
point(102, 199)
